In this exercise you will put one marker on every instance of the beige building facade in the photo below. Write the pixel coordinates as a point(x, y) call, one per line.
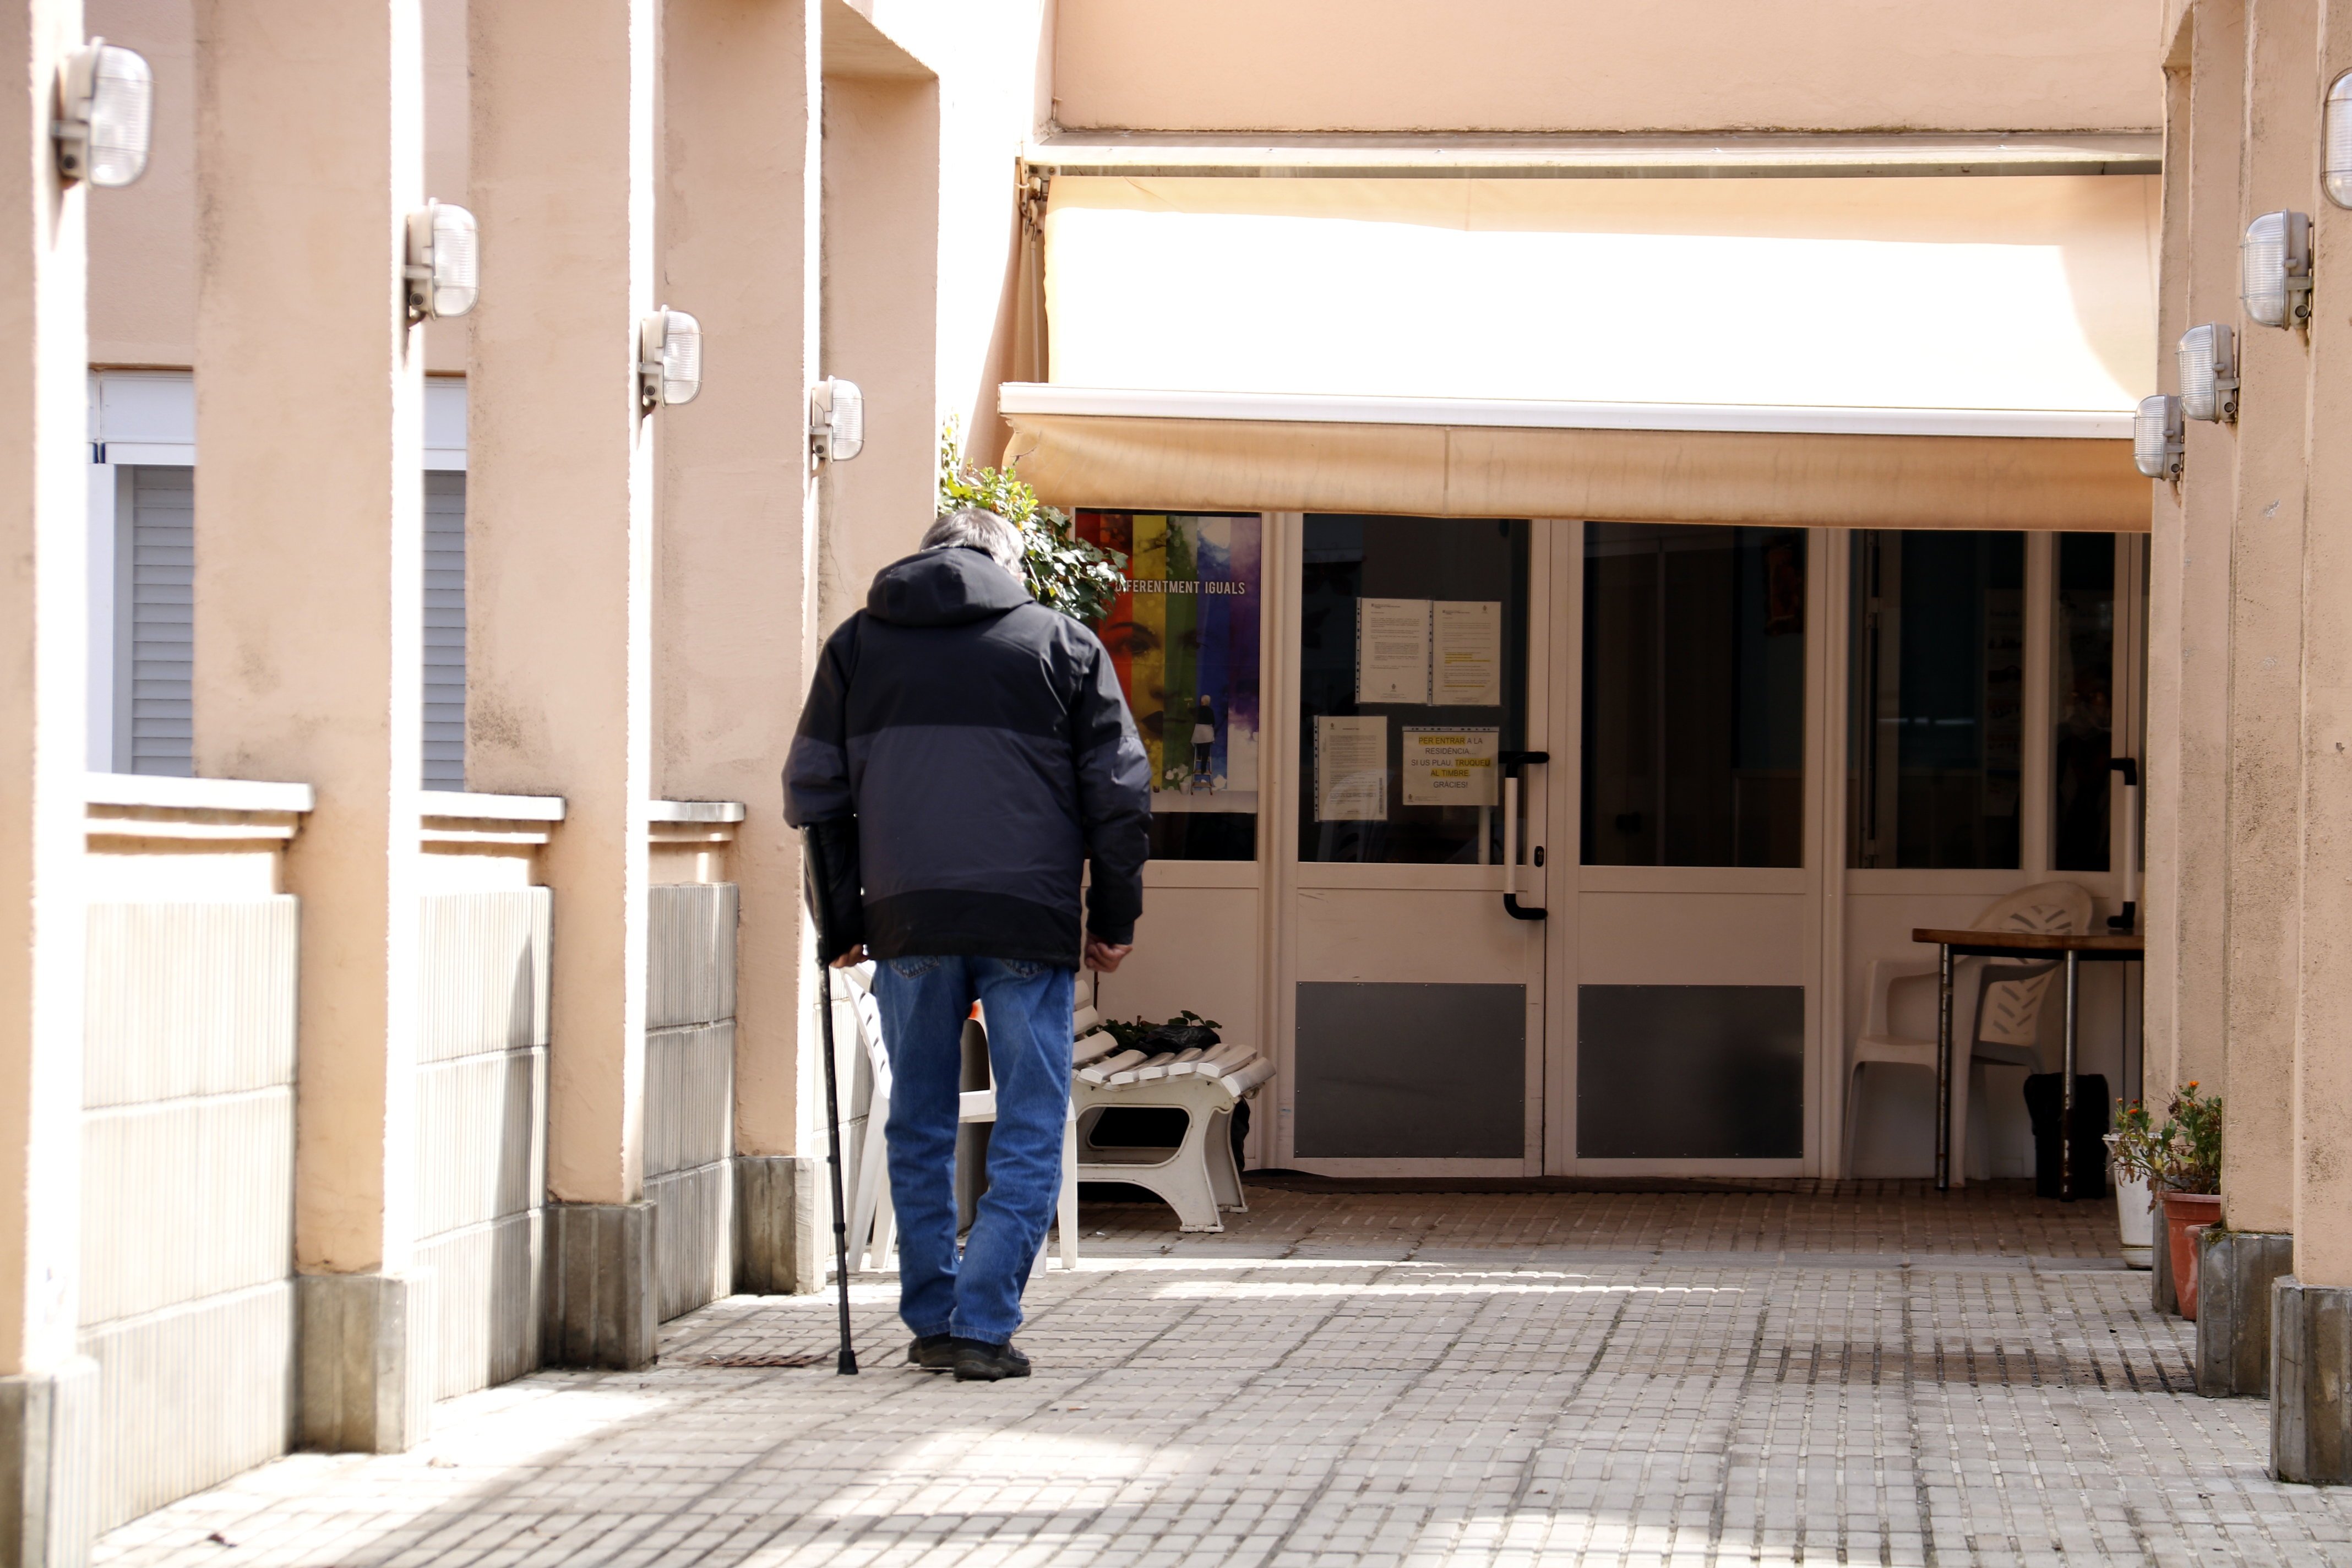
point(1723, 424)
point(2248, 659)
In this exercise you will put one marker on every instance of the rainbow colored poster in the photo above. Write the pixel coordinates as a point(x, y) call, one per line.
point(1184, 633)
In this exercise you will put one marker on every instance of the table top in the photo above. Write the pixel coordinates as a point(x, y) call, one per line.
point(2032, 941)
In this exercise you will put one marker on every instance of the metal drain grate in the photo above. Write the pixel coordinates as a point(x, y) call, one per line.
point(755, 1358)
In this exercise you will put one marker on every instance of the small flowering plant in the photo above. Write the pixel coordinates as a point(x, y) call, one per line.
point(2182, 1155)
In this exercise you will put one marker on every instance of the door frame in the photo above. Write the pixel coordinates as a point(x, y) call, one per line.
point(1289, 876)
point(1824, 761)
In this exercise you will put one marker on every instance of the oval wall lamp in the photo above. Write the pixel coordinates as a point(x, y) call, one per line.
point(2336, 142)
point(669, 359)
point(2156, 440)
point(106, 114)
point(2208, 374)
point(836, 420)
point(2274, 269)
point(444, 275)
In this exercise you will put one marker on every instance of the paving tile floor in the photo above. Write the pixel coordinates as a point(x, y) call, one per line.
point(1780, 1375)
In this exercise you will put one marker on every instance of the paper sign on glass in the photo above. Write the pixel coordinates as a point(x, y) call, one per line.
point(1450, 767)
point(1469, 646)
point(1392, 650)
point(1352, 769)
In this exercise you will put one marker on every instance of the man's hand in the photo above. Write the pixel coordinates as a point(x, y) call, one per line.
point(1103, 957)
point(852, 959)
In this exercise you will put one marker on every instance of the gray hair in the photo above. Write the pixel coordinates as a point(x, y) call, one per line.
point(980, 529)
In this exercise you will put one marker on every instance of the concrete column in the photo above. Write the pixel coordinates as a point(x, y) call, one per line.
point(735, 611)
point(2311, 1366)
point(2189, 638)
point(2190, 708)
point(2265, 777)
point(309, 610)
point(2235, 1271)
point(558, 586)
point(882, 245)
point(48, 1396)
point(2169, 635)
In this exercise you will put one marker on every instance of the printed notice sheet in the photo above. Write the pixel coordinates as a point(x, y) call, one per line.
point(1392, 650)
point(1352, 769)
point(1450, 767)
point(1469, 634)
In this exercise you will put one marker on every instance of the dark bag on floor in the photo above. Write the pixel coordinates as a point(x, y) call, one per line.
point(1179, 1038)
point(2045, 1095)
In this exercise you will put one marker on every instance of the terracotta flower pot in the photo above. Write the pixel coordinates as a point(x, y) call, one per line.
point(2186, 1214)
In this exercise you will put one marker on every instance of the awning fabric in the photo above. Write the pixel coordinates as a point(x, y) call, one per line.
point(1816, 480)
point(2023, 295)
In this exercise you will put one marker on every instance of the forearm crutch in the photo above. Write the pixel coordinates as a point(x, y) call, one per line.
point(847, 1365)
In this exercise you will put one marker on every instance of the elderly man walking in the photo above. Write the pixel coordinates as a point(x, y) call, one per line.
point(964, 753)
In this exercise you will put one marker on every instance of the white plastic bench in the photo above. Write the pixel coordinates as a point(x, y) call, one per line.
point(1198, 1177)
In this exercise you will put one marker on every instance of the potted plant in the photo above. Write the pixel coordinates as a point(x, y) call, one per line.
point(2181, 1160)
point(2131, 1150)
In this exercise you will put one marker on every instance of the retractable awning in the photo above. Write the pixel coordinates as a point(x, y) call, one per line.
point(1959, 352)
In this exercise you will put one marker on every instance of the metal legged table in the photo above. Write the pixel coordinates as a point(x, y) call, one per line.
point(2076, 950)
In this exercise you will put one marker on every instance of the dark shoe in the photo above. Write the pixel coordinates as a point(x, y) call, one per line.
point(932, 1353)
point(976, 1361)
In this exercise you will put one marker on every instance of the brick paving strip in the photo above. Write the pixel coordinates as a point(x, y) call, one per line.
point(1802, 1374)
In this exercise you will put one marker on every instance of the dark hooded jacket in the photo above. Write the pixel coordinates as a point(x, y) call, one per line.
point(963, 751)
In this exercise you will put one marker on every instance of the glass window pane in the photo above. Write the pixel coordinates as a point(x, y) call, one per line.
point(1184, 637)
point(1412, 682)
point(1694, 696)
point(1936, 712)
point(2081, 707)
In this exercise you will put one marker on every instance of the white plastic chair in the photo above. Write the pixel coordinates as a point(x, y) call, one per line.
point(873, 1221)
point(1996, 1007)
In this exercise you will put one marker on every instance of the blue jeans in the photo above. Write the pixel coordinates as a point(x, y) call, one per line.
point(924, 1003)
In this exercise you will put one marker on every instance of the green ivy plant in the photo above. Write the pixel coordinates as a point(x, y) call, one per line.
point(1060, 569)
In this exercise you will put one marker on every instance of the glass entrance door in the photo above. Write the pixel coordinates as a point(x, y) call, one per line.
point(1687, 1032)
point(1417, 996)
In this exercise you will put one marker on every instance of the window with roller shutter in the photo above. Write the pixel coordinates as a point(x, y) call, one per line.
point(156, 616)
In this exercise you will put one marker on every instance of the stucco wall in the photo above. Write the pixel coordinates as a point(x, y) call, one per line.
point(143, 239)
point(1604, 65)
point(991, 65)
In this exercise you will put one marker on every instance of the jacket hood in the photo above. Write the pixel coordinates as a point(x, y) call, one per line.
point(943, 588)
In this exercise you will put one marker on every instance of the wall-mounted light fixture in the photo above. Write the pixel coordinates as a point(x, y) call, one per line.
point(106, 114)
point(2336, 142)
point(670, 358)
point(836, 420)
point(444, 275)
point(2157, 443)
point(2208, 372)
point(2274, 269)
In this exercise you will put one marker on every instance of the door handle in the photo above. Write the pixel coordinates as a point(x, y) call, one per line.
point(1511, 762)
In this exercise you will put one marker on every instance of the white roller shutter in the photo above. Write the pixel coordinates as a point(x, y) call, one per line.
point(156, 679)
point(154, 701)
point(445, 631)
